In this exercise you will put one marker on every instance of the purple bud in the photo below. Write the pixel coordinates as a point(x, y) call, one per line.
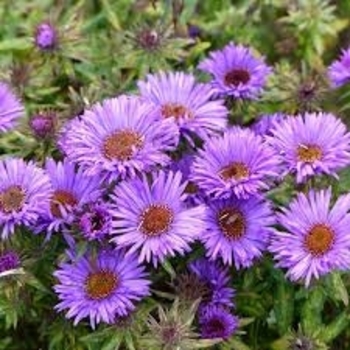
point(43, 125)
point(8, 261)
point(45, 37)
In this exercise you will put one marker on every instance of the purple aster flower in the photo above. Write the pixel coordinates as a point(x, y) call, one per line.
point(266, 122)
point(9, 260)
point(72, 189)
point(46, 37)
point(238, 163)
point(43, 125)
point(194, 195)
point(339, 70)
point(316, 238)
point(217, 322)
point(151, 216)
point(238, 230)
point(25, 193)
point(236, 72)
point(11, 108)
point(95, 221)
point(217, 282)
point(178, 95)
point(120, 137)
point(102, 287)
point(312, 144)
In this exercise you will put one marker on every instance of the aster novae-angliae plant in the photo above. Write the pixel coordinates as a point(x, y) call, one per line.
point(314, 239)
point(309, 148)
point(177, 95)
point(238, 231)
point(239, 163)
point(100, 287)
point(339, 70)
point(120, 137)
point(150, 216)
point(11, 109)
point(25, 193)
point(236, 72)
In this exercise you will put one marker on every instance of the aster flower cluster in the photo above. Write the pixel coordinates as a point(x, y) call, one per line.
point(145, 179)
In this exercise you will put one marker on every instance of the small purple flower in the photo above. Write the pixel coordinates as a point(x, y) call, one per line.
point(103, 287)
point(266, 122)
point(9, 260)
point(238, 230)
point(95, 221)
point(150, 216)
point(46, 37)
point(316, 239)
point(236, 72)
point(120, 137)
point(25, 192)
point(43, 125)
point(177, 95)
point(312, 144)
point(239, 163)
point(11, 108)
point(72, 189)
point(339, 70)
point(217, 322)
point(217, 282)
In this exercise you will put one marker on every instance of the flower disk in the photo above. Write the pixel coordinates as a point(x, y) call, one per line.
point(308, 147)
point(238, 163)
point(316, 238)
point(151, 217)
point(236, 72)
point(101, 288)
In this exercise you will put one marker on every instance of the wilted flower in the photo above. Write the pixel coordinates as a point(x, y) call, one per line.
point(43, 125)
point(217, 322)
point(11, 108)
point(316, 239)
point(177, 95)
point(25, 192)
point(236, 72)
point(308, 147)
point(339, 70)
point(150, 217)
point(101, 288)
point(239, 163)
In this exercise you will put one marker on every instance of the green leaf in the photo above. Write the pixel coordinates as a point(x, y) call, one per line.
point(15, 44)
point(336, 289)
point(111, 15)
point(331, 331)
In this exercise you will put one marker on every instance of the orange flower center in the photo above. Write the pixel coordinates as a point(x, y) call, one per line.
point(232, 223)
point(12, 199)
point(175, 110)
point(101, 284)
point(236, 170)
point(156, 220)
point(309, 153)
point(121, 145)
point(61, 198)
point(319, 240)
point(236, 77)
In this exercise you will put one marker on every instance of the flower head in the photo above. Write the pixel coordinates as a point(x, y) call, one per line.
point(238, 163)
point(266, 122)
point(46, 37)
point(101, 287)
point(315, 239)
point(216, 282)
point(236, 72)
point(339, 70)
point(151, 217)
point(120, 137)
point(72, 189)
point(237, 230)
point(177, 95)
point(43, 125)
point(217, 322)
point(308, 147)
point(11, 108)
point(9, 260)
point(25, 192)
